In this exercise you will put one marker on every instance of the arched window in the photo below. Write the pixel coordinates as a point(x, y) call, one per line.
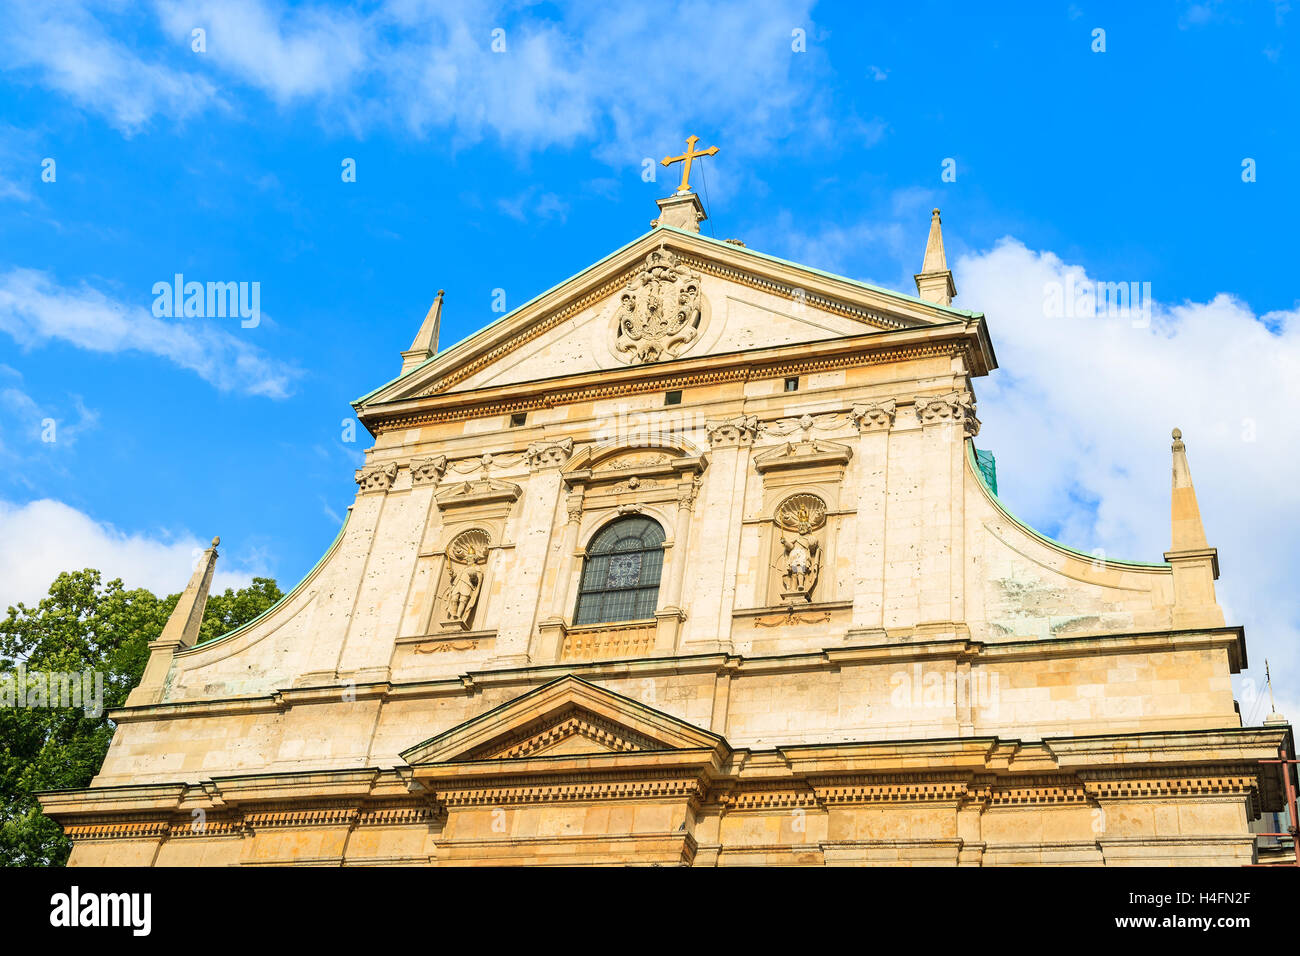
point(620, 578)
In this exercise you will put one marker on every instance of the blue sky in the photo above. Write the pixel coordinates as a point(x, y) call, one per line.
point(480, 170)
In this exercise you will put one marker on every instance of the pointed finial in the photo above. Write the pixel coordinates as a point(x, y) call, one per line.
point(934, 281)
point(1188, 532)
point(425, 345)
point(186, 618)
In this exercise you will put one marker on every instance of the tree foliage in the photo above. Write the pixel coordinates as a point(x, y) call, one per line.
point(82, 625)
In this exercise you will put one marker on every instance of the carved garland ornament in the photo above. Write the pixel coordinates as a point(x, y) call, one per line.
point(659, 312)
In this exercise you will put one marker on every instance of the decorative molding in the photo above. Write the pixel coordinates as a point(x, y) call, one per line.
point(802, 454)
point(448, 646)
point(874, 416)
point(428, 471)
point(798, 294)
point(375, 478)
point(954, 408)
point(741, 430)
point(634, 639)
point(572, 722)
point(792, 617)
point(552, 397)
point(483, 491)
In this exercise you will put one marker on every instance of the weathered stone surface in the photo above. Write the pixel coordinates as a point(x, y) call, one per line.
point(922, 696)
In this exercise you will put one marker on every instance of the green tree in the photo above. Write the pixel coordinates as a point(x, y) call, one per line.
point(82, 624)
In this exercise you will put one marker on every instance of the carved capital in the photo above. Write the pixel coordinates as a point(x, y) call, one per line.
point(573, 504)
point(687, 494)
point(543, 454)
point(428, 471)
point(741, 430)
point(376, 477)
point(874, 416)
point(954, 408)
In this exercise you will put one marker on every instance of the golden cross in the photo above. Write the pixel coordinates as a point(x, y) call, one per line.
point(686, 157)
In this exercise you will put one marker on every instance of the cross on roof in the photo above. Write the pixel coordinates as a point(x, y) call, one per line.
point(686, 158)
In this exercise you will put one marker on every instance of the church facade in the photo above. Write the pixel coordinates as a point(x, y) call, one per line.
point(691, 560)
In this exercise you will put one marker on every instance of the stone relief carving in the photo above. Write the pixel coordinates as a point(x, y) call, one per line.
point(635, 484)
point(799, 517)
point(740, 430)
point(659, 312)
point(376, 477)
point(803, 424)
point(957, 407)
point(485, 463)
point(629, 462)
point(549, 454)
point(686, 496)
point(426, 471)
point(874, 416)
point(466, 556)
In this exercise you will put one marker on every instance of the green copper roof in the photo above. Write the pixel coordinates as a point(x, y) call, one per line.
point(284, 598)
point(991, 492)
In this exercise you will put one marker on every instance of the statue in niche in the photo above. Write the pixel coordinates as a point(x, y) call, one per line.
point(466, 557)
point(801, 558)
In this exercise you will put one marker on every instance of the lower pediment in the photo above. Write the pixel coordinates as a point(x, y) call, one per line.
point(565, 718)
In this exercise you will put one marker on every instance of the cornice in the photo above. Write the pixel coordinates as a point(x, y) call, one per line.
point(952, 338)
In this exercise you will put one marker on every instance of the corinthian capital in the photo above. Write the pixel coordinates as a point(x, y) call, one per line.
point(874, 416)
point(427, 471)
point(740, 430)
point(548, 454)
point(954, 408)
point(376, 477)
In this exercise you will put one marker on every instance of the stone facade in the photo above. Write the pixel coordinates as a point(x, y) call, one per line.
point(856, 654)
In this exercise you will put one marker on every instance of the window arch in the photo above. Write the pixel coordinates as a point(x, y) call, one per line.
point(620, 576)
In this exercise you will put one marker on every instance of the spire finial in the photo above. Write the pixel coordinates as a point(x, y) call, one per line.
point(425, 345)
point(187, 616)
point(1194, 563)
point(1185, 516)
point(934, 281)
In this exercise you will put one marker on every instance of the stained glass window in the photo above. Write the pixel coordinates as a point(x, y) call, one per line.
point(620, 578)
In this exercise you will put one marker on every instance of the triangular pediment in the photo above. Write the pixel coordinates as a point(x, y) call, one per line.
point(667, 296)
point(567, 717)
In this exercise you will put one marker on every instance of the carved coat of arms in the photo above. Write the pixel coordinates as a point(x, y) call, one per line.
point(659, 312)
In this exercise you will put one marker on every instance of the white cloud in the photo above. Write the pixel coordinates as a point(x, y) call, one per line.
point(608, 75)
point(28, 424)
point(289, 53)
point(531, 204)
point(68, 49)
point(34, 309)
point(1079, 416)
point(40, 539)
